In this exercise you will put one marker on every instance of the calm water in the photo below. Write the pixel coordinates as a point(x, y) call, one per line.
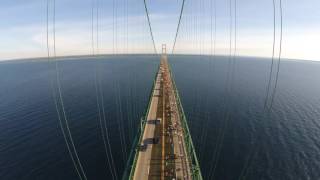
point(282, 144)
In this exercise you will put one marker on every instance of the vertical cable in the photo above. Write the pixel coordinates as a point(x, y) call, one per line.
point(266, 108)
point(92, 28)
point(71, 148)
point(113, 27)
point(229, 88)
point(279, 56)
point(272, 57)
point(99, 95)
point(213, 6)
point(119, 122)
point(55, 98)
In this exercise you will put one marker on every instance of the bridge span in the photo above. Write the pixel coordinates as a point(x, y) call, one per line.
point(164, 149)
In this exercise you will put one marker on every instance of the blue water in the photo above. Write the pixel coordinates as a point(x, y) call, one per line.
point(232, 133)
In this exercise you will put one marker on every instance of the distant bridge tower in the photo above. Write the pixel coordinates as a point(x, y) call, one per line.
point(164, 49)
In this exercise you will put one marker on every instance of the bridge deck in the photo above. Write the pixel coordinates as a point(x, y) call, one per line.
point(143, 162)
point(162, 153)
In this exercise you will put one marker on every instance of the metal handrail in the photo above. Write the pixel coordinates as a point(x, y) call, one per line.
point(191, 153)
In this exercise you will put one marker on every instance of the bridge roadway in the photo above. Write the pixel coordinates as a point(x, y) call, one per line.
point(162, 153)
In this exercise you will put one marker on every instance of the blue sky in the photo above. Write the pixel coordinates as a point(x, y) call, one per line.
point(23, 27)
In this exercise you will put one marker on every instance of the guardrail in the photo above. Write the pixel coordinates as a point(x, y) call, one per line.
point(133, 157)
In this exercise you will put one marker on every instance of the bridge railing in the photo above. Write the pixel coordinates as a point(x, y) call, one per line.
point(133, 156)
point(192, 157)
point(195, 167)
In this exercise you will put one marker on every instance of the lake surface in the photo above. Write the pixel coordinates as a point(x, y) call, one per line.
point(234, 135)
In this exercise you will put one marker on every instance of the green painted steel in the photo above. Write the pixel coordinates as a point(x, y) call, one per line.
point(133, 157)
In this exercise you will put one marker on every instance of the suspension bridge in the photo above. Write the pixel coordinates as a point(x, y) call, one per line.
point(164, 149)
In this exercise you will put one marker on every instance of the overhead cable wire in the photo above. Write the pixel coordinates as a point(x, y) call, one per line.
point(117, 98)
point(60, 91)
point(58, 99)
point(120, 123)
point(116, 26)
point(107, 132)
point(55, 98)
point(113, 27)
point(99, 98)
point(102, 127)
point(213, 7)
point(207, 115)
point(129, 116)
point(127, 26)
point(229, 88)
point(97, 27)
point(266, 109)
point(150, 27)
point(129, 96)
point(234, 40)
point(178, 26)
point(272, 57)
point(279, 56)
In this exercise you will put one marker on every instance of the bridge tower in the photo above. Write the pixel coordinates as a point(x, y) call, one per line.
point(164, 49)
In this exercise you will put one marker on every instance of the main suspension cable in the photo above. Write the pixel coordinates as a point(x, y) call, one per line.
point(178, 26)
point(150, 27)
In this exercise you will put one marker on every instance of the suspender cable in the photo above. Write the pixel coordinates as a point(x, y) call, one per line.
point(266, 109)
point(252, 153)
point(99, 95)
point(213, 52)
point(113, 27)
point(60, 93)
point(59, 100)
point(206, 118)
point(55, 100)
point(120, 123)
point(229, 88)
point(106, 130)
point(279, 57)
point(272, 57)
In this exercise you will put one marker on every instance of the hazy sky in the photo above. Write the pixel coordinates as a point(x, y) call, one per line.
point(23, 27)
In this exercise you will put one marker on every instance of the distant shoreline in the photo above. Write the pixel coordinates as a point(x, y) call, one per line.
point(71, 57)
